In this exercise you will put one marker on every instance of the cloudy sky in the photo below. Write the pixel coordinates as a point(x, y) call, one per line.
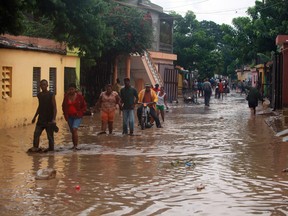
point(218, 11)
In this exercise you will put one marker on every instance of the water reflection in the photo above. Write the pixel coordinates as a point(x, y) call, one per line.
point(236, 157)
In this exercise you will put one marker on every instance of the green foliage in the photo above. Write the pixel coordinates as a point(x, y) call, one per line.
point(250, 40)
point(267, 20)
point(197, 45)
point(94, 27)
point(40, 27)
point(10, 16)
point(131, 30)
point(102, 27)
point(77, 23)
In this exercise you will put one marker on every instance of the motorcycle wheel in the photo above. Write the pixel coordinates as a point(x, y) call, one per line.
point(143, 119)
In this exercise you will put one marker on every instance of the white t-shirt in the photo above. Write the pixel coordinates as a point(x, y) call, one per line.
point(160, 99)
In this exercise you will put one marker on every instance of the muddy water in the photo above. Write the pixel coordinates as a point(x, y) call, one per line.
point(205, 161)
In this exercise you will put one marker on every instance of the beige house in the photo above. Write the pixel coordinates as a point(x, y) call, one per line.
point(24, 61)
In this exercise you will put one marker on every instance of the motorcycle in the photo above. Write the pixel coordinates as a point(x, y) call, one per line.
point(145, 116)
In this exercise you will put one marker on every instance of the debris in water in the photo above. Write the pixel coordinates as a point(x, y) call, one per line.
point(200, 187)
point(45, 174)
point(186, 163)
point(284, 132)
point(285, 139)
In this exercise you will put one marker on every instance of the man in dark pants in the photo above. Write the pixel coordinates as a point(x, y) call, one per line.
point(147, 96)
point(46, 113)
point(207, 87)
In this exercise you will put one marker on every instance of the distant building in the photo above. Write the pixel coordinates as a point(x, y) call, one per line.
point(244, 74)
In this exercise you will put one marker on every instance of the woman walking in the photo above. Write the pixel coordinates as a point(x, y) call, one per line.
point(252, 98)
point(74, 107)
point(107, 103)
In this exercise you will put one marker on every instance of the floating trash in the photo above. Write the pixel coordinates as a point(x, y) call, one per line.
point(200, 187)
point(185, 163)
point(45, 174)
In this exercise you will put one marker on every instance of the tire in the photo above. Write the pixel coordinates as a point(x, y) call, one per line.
point(143, 120)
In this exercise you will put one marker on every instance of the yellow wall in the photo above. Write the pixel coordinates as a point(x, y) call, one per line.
point(72, 58)
point(21, 107)
point(243, 75)
point(260, 68)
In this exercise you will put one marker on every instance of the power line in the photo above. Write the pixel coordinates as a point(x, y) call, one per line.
point(201, 13)
point(216, 12)
point(191, 4)
point(225, 11)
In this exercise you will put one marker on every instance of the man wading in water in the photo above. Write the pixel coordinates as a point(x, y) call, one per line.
point(46, 113)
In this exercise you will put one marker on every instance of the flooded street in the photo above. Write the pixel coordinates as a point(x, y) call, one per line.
point(205, 161)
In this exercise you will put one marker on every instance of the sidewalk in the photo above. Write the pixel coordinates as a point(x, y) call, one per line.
point(276, 121)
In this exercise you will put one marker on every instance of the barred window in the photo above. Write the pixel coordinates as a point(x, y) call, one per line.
point(52, 80)
point(36, 81)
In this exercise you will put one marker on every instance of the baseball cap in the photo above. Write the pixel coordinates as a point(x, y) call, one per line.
point(147, 85)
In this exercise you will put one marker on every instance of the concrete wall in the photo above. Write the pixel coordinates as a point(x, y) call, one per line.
point(19, 109)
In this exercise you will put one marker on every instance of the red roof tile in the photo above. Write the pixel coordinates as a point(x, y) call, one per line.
point(32, 43)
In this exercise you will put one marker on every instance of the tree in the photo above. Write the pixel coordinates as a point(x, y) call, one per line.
point(93, 27)
point(10, 16)
point(269, 19)
point(196, 45)
point(131, 30)
point(78, 23)
point(254, 36)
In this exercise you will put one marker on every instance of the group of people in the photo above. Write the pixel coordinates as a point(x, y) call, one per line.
point(253, 94)
point(126, 98)
point(203, 88)
point(74, 107)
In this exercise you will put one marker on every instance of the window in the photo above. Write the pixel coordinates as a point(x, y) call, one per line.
point(6, 82)
point(36, 80)
point(69, 77)
point(165, 32)
point(52, 80)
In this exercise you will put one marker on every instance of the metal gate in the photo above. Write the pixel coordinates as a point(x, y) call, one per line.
point(171, 84)
point(277, 81)
point(93, 80)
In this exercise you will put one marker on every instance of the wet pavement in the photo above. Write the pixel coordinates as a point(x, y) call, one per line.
point(217, 160)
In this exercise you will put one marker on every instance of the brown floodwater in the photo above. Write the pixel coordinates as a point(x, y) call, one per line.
point(205, 161)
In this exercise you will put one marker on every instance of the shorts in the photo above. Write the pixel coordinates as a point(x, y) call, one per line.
point(252, 105)
point(108, 116)
point(74, 122)
point(160, 107)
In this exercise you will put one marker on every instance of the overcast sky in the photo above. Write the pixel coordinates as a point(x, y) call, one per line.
point(218, 11)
